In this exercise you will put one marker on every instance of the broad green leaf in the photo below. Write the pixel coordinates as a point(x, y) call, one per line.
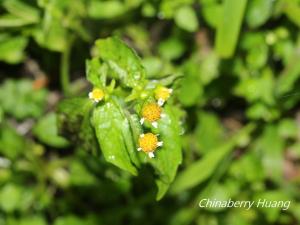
point(229, 27)
point(122, 60)
point(73, 117)
point(21, 9)
point(169, 157)
point(46, 131)
point(12, 48)
point(186, 18)
point(258, 12)
point(202, 169)
point(114, 136)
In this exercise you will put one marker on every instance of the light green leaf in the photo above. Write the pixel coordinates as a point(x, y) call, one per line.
point(46, 131)
point(186, 18)
point(202, 169)
point(229, 27)
point(22, 10)
point(106, 10)
point(114, 136)
point(258, 12)
point(122, 60)
point(12, 48)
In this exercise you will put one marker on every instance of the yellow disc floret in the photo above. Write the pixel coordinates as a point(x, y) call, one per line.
point(148, 142)
point(151, 112)
point(162, 94)
point(97, 94)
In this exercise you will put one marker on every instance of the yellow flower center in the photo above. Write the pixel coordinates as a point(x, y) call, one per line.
point(151, 112)
point(148, 142)
point(162, 93)
point(97, 94)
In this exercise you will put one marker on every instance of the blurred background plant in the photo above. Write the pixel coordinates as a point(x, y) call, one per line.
point(239, 91)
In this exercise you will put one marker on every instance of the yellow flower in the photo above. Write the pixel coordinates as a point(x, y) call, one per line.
point(151, 112)
point(162, 94)
point(148, 143)
point(97, 94)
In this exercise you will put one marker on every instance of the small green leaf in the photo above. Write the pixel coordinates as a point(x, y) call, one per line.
point(46, 131)
point(258, 12)
point(106, 10)
point(229, 27)
point(114, 136)
point(186, 18)
point(12, 48)
point(122, 60)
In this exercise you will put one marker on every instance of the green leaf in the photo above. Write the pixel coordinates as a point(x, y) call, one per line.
point(186, 18)
point(202, 169)
point(12, 48)
point(46, 131)
point(229, 27)
point(73, 120)
point(10, 196)
point(22, 10)
point(96, 73)
point(20, 99)
point(114, 136)
point(258, 12)
point(9, 20)
point(169, 157)
point(122, 60)
point(11, 143)
point(171, 48)
point(106, 10)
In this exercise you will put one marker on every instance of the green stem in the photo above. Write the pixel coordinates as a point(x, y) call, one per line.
point(65, 68)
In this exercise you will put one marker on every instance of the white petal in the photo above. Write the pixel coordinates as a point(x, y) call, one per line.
point(142, 135)
point(155, 124)
point(139, 149)
point(160, 102)
point(160, 143)
point(170, 90)
point(90, 95)
point(163, 115)
point(151, 155)
point(142, 120)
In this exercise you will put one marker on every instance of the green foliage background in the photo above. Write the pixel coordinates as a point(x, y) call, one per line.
point(234, 133)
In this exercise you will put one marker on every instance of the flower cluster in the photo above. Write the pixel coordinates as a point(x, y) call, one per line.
point(151, 113)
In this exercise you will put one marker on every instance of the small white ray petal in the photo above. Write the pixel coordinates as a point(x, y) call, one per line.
point(151, 155)
point(160, 102)
point(142, 135)
point(170, 90)
point(160, 143)
point(139, 149)
point(90, 95)
point(142, 120)
point(163, 115)
point(154, 124)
